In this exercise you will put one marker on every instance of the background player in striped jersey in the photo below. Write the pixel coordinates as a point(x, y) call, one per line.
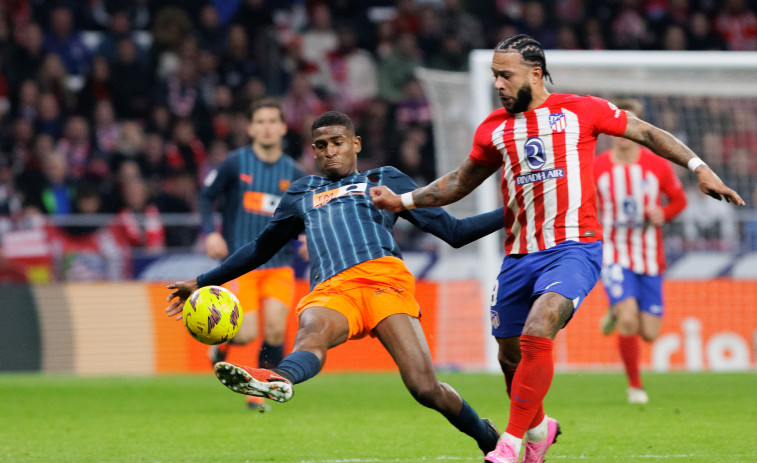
point(249, 185)
point(544, 144)
point(359, 283)
point(631, 182)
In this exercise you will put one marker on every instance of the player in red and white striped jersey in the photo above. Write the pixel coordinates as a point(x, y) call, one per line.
point(544, 144)
point(631, 182)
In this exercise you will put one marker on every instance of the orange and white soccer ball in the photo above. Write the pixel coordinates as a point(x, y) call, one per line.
point(212, 315)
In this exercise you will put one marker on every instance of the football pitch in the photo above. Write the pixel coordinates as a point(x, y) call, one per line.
point(702, 417)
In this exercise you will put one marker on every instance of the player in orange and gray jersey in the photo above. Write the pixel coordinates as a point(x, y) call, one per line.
point(250, 183)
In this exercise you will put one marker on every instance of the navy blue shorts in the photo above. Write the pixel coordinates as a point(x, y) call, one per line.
point(621, 283)
point(570, 269)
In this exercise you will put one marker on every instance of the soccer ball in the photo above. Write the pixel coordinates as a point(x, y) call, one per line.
point(212, 315)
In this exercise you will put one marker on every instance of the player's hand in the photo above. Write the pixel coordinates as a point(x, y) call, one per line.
point(183, 289)
point(711, 185)
point(385, 198)
point(654, 215)
point(215, 246)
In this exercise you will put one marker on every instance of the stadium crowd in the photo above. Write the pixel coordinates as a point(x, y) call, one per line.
point(122, 108)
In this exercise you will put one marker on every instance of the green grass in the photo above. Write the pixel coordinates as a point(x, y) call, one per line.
point(357, 418)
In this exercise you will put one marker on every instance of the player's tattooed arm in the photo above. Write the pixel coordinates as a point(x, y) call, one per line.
point(669, 147)
point(453, 186)
point(442, 191)
point(661, 142)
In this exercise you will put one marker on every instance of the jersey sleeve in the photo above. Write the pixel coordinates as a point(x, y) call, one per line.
point(435, 220)
point(483, 151)
point(607, 118)
point(216, 184)
point(283, 227)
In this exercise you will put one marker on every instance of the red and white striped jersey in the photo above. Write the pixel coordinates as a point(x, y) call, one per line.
point(625, 192)
point(547, 155)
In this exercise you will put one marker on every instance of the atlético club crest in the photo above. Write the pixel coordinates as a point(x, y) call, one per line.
point(557, 122)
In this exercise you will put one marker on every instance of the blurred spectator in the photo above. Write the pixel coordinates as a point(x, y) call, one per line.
point(430, 30)
point(53, 79)
point(385, 35)
point(255, 16)
point(26, 57)
point(535, 22)
point(738, 25)
point(740, 133)
point(27, 105)
point(236, 66)
point(97, 86)
point(186, 153)
point(454, 19)
point(52, 190)
point(178, 195)
point(106, 129)
point(701, 35)
point(10, 197)
point(136, 12)
point(351, 81)
point(293, 62)
point(170, 26)
point(593, 36)
point(451, 55)
point(413, 108)
point(130, 82)
point(18, 145)
point(154, 165)
point(211, 32)
point(406, 17)
point(159, 121)
point(629, 29)
point(299, 102)
point(318, 40)
point(119, 29)
point(414, 157)
point(223, 102)
point(208, 78)
point(138, 223)
point(64, 41)
point(399, 66)
point(377, 131)
point(75, 144)
point(567, 38)
point(674, 38)
point(49, 120)
point(180, 93)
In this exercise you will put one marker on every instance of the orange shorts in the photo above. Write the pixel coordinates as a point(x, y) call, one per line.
point(366, 294)
point(252, 287)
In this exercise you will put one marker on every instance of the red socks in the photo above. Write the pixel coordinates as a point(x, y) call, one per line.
point(530, 384)
point(631, 355)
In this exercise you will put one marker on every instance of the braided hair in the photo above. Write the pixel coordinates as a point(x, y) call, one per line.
point(530, 50)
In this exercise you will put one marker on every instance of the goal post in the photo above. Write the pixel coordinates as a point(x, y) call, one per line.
point(690, 94)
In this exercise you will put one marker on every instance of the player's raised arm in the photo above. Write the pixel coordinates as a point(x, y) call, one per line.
point(669, 147)
point(442, 191)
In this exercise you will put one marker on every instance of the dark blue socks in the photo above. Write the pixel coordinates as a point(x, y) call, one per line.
point(299, 366)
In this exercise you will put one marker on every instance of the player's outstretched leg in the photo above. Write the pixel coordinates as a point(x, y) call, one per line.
point(258, 382)
point(535, 451)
